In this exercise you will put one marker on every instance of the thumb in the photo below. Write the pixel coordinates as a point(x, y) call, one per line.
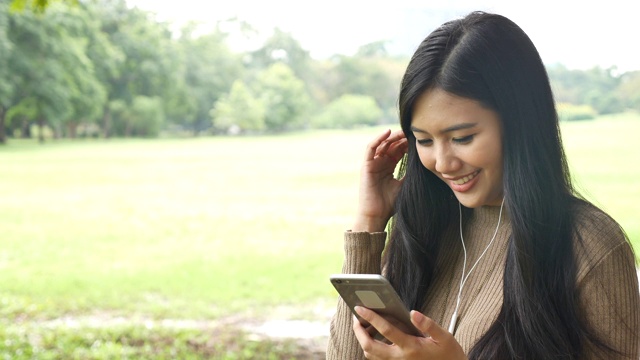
point(427, 326)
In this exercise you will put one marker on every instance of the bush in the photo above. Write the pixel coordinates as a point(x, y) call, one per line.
point(349, 111)
point(239, 109)
point(147, 116)
point(571, 112)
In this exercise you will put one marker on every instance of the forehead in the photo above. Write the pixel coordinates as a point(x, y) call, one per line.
point(436, 108)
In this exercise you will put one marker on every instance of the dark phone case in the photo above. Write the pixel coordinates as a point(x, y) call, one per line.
point(393, 309)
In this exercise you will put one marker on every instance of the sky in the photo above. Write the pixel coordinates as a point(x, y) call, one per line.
point(578, 34)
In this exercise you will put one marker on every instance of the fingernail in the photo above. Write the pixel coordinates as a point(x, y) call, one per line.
point(415, 316)
point(359, 310)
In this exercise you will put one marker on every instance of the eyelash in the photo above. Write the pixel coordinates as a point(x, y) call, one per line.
point(462, 140)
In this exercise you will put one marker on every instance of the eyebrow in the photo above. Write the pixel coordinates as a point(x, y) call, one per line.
point(449, 129)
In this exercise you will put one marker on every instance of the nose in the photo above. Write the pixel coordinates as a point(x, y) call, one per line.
point(446, 162)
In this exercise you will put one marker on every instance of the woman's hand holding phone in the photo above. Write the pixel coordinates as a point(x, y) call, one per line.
point(438, 343)
point(378, 187)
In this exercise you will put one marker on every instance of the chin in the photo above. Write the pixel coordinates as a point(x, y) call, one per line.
point(472, 202)
point(469, 203)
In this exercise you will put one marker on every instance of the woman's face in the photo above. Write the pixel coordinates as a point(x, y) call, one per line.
point(460, 141)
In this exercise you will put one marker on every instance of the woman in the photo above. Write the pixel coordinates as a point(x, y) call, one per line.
point(489, 243)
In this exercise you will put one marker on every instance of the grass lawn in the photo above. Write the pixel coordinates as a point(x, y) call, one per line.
point(211, 227)
point(601, 156)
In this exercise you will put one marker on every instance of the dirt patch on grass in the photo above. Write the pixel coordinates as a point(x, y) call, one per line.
point(281, 335)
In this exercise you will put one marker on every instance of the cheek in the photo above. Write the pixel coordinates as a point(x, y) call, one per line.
point(427, 160)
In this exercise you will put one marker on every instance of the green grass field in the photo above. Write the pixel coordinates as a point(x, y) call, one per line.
point(212, 227)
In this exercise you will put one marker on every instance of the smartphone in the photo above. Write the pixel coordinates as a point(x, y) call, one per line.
point(376, 293)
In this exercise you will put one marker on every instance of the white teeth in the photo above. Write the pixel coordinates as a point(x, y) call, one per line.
point(465, 179)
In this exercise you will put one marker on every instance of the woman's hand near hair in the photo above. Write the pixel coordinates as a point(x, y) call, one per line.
point(378, 187)
point(438, 343)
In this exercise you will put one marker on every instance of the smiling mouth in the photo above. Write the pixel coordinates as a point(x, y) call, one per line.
point(466, 179)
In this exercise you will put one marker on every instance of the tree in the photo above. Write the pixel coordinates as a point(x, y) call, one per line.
point(38, 5)
point(240, 109)
point(348, 111)
point(284, 97)
point(595, 87)
point(49, 65)
point(629, 90)
point(149, 66)
point(367, 74)
point(372, 50)
point(210, 68)
point(282, 47)
point(146, 117)
point(6, 86)
point(107, 59)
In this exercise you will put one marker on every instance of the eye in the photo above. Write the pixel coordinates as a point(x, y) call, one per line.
point(424, 142)
point(463, 140)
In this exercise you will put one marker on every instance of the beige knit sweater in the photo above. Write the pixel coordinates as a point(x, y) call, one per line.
point(607, 282)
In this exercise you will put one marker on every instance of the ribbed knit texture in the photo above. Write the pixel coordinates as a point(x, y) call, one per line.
point(607, 282)
point(364, 252)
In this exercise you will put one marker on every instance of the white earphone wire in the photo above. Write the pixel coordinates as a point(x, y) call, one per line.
point(463, 278)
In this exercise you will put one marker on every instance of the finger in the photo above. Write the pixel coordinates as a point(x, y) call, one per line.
point(398, 149)
point(428, 326)
point(382, 149)
point(394, 137)
point(393, 141)
point(373, 145)
point(371, 331)
point(383, 326)
point(367, 342)
point(397, 135)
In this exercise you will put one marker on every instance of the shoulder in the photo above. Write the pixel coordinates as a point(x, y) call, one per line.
point(597, 236)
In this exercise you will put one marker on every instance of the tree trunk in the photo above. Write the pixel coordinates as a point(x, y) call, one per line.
point(72, 129)
point(41, 130)
point(25, 129)
point(106, 122)
point(3, 135)
point(127, 129)
point(57, 132)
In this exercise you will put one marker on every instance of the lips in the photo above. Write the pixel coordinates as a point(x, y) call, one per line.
point(465, 179)
point(464, 183)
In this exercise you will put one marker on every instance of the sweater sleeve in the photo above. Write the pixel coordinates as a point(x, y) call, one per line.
point(362, 255)
point(610, 301)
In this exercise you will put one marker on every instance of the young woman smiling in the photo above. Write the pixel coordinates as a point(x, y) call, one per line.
point(491, 246)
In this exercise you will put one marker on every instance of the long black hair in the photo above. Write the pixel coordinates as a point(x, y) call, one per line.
point(488, 58)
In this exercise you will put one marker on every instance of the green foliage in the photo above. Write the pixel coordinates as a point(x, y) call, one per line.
point(629, 90)
point(373, 49)
point(349, 111)
point(210, 68)
point(595, 87)
point(37, 5)
point(282, 47)
point(6, 87)
point(26, 107)
point(147, 116)
point(71, 61)
point(60, 87)
point(284, 97)
point(146, 62)
point(144, 117)
point(368, 74)
point(570, 112)
point(240, 110)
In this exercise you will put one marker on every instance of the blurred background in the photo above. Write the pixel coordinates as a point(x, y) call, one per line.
point(175, 177)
